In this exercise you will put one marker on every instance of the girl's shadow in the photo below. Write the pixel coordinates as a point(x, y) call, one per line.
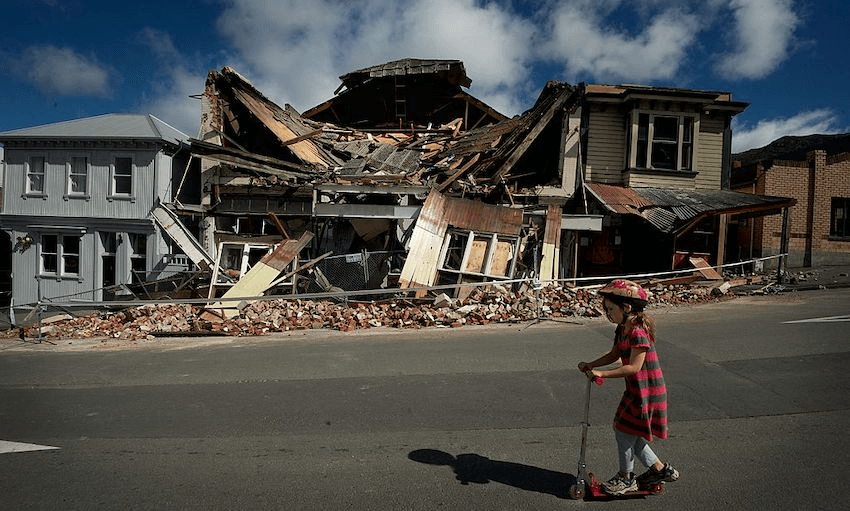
point(472, 468)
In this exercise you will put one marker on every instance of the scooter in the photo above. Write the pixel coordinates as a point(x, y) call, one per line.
point(586, 485)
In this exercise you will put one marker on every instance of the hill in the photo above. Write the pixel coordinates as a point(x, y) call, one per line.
point(795, 148)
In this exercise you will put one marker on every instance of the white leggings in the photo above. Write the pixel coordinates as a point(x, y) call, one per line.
point(630, 447)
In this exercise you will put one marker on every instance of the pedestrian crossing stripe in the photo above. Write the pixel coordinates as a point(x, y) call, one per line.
point(9, 447)
point(827, 319)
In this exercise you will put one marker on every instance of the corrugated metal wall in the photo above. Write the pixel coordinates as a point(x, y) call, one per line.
point(92, 214)
point(98, 203)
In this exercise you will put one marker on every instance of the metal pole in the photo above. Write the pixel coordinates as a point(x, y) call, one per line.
point(38, 306)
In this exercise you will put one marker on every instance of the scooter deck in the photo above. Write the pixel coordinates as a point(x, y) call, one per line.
point(595, 491)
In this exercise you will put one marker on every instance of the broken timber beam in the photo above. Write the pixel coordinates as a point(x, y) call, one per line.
point(529, 139)
point(465, 167)
point(278, 225)
point(308, 264)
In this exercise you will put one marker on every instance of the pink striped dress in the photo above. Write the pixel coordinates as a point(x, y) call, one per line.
point(643, 409)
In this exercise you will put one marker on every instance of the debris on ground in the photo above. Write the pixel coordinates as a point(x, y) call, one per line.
point(492, 304)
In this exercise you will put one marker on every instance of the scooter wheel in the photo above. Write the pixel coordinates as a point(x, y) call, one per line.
point(576, 493)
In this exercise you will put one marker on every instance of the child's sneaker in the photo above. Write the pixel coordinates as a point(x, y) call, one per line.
point(619, 485)
point(652, 476)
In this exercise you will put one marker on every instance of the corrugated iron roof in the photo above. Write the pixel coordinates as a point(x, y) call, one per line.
point(671, 210)
point(102, 127)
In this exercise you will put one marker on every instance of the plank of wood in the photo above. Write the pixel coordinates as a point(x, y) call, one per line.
point(281, 229)
point(704, 269)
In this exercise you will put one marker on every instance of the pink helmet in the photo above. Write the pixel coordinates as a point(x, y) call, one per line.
point(626, 291)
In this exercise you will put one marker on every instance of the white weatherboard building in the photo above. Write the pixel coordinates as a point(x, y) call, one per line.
point(77, 198)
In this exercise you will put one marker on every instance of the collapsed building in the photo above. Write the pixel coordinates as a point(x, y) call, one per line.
point(403, 180)
point(366, 193)
point(592, 180)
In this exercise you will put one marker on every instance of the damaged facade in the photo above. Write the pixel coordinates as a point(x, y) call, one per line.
point(656, 161)
point(597, 179)
point(402, 179)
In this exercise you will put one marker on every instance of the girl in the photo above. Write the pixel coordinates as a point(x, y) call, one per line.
point(642, 413)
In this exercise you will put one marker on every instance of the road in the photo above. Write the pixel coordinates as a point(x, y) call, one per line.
point(470, 418)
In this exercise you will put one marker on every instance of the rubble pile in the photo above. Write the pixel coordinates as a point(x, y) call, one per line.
point(493, 304)
point(679, 294)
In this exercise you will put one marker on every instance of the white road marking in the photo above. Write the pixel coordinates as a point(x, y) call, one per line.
point(827, 319)
point(7, 447)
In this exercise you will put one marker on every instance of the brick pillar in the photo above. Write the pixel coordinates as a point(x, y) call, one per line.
point(212, 124)
point(816, 209)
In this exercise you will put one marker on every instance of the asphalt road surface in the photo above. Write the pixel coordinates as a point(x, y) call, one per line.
point(454, 419)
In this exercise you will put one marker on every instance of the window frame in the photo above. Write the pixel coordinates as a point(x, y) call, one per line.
point(114, 194)
point(643, 141)
point(70, 173)
point(841, 204)
point(28, 190)
point(137, 255)
point(62, 256)
point(109, 242)
point(458, 249)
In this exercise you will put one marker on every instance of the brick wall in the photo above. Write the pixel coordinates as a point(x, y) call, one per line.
point(813, 183)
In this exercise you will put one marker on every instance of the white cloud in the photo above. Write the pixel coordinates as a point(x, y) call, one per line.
point(161, 44)
point(587, 39)
point(62, 71)
point(815, 122)
point(295, 50)
point(172, 102)
point(763, 32)
point(173, 86)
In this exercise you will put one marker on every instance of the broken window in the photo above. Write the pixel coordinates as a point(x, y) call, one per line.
point(455, 249)
point(49, 254)
point(478, 253)
point(664, 142)
point(237, 258)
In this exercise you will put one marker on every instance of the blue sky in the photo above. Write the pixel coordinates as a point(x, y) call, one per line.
point(67, 59)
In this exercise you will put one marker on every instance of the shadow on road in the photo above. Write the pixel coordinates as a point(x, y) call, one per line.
point(473, 468)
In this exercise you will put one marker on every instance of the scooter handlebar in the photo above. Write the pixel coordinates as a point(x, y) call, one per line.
point(595, 379)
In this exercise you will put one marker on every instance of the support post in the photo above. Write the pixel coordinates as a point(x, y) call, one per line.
point(723, 221)
point(783, 246)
